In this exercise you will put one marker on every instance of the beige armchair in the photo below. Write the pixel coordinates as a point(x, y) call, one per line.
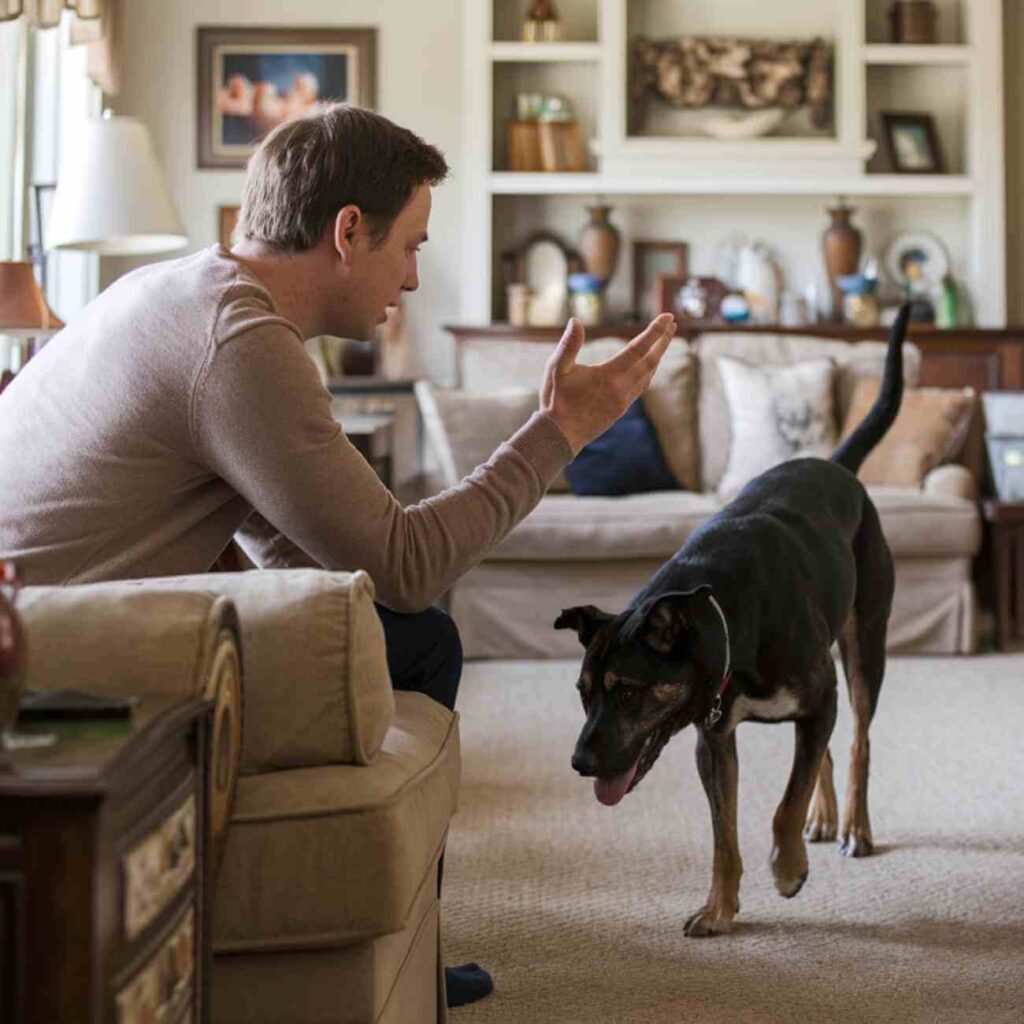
point(326, 903)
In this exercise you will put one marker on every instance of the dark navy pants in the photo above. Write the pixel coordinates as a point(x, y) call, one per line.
point(424, 653)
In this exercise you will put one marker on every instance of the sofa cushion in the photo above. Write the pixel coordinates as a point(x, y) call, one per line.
point(321, 857)
point(853, 361)
point(625, 459)
point(670, 402)
point(564, 527)
point(921, 525)
point(776, 413)
point(317, 688)
point(930, 429)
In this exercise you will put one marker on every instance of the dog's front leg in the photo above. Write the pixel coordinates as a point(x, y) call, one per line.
point(789, 854)
point(719, 772)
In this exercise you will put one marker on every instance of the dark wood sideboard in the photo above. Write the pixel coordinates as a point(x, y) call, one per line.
point(104, 888)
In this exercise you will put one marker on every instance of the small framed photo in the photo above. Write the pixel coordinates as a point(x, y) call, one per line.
point(651, 258)
point(913, 143)
point(252, 79)
point(227, 221)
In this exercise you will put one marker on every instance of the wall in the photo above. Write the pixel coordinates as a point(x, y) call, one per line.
point(1013, 47)
point(419, 85)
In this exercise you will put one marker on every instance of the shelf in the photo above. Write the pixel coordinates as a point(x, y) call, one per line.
point(894, 53)
point(545, 53)
point(512, 184)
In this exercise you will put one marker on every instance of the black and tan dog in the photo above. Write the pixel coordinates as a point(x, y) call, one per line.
point(738, 626)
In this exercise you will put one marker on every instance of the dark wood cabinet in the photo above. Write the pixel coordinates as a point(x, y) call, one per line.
point(103, 870)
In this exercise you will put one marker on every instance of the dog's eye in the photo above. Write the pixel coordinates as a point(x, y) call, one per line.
point(630, 696)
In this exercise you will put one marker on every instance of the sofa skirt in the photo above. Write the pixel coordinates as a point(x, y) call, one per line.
point(506, 609)
point(391, 979)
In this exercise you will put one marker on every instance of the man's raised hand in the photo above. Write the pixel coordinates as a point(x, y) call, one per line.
point(586, 400)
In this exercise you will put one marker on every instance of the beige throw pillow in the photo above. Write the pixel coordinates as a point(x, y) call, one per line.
point(465, 427)
point(930, 429)
point(776, 413)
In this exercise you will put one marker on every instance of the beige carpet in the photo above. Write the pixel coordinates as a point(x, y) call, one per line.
point(578, 909)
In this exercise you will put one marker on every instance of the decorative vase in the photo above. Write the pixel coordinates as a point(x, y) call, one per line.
point(599, 244)
point(12, 650)
point(913, 21)
point(841, 246)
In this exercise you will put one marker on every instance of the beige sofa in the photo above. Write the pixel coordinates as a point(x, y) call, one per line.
point(601, 550)
point(326, 905)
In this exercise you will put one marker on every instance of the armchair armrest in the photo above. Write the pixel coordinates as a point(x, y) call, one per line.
point(952, 481)
point(317, 687)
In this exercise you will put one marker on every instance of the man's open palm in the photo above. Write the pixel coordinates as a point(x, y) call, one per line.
point(586, 400)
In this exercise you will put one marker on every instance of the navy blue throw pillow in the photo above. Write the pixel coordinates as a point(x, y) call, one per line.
point(625, 459)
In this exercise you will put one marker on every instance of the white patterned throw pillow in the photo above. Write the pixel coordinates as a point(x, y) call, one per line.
point(776, 413)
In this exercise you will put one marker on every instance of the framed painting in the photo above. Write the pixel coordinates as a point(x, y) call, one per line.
point(250, 80)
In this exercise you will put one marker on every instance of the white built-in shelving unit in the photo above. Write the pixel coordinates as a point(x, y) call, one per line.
point(675, 183)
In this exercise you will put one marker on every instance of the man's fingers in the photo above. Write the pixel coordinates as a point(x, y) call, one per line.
point(645, 369)
point(569, 345)
point(643, 342)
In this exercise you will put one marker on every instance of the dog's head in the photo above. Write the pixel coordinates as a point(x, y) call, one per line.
point(646, 674)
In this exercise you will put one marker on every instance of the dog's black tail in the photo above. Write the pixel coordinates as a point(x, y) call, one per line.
point(854, 450)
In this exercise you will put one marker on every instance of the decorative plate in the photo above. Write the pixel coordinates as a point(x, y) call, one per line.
point(916, 260)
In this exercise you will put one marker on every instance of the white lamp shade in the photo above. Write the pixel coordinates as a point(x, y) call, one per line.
point(112, 198)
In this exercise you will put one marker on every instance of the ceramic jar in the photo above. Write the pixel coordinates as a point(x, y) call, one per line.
point(599, 244)
point(841, 247)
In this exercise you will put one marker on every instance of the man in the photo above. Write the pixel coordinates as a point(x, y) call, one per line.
point(180, 409)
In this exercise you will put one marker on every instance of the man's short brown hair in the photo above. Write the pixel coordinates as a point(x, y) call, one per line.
point(306, 170)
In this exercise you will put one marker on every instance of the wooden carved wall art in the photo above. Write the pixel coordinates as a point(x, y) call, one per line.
point(703, 71)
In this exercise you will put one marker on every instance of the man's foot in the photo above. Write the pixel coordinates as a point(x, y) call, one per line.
point(467, 984)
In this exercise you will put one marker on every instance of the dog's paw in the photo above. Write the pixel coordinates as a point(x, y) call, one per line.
point(816, 831)
point(856, 844)
point(789, 887)
point(706, 923)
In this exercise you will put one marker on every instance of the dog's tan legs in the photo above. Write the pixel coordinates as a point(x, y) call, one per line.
point(719, 772)
point(789, 854)
point(863, 680)
point(823, 821)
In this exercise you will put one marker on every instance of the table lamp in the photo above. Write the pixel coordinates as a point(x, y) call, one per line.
point(23, 310)
point(115, 201)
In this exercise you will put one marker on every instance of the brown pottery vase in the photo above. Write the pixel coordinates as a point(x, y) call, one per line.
point(841, 245)
point(599, 244)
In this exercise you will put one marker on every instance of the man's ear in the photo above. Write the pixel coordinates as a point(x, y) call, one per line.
point(585, 619)
point(346, 223)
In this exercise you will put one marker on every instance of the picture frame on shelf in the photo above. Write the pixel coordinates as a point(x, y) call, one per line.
point(249, 80)
point(227, 221)
point(651, 258)
point(913, 143)
point(691, 298)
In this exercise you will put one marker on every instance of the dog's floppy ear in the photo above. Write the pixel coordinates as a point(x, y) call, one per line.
point(662, 622)
point(585, 619)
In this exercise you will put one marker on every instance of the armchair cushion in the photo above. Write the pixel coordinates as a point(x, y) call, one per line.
point(317, 688)
point(321, 857)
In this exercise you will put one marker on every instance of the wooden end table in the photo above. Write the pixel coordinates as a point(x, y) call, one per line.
point(1005, 522)
point(371, 435)
point(103, 870)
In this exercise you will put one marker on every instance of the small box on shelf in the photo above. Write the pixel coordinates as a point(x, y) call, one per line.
point(552, 146)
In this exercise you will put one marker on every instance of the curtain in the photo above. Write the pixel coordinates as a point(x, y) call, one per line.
point(47, 13)
point(95, 26)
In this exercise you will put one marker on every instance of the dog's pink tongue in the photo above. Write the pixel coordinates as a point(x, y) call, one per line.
point(611, 791)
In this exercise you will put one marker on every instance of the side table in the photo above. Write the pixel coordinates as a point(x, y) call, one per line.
point(1005, 522)
point(372, 437)
point(103, 865)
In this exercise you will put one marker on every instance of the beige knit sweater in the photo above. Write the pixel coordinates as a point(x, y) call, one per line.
point(146, 433)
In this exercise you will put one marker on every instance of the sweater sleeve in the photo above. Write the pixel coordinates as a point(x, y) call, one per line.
point(261, 420)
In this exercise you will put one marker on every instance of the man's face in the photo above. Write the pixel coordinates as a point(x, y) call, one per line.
point(377, 276)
